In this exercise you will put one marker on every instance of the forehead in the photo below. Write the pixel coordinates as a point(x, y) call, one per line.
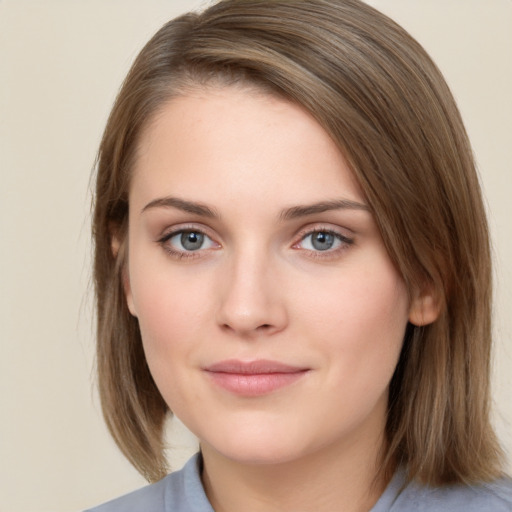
point(231, 140)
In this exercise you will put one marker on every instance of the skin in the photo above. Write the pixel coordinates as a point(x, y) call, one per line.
point(258, 288)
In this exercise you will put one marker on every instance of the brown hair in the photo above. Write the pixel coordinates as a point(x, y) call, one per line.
point(382, 100)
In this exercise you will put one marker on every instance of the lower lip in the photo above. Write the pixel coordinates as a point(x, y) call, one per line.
point(254, 384)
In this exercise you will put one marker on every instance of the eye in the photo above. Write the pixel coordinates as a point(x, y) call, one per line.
point(189, 240)
point(323, 241)
point(181, 243)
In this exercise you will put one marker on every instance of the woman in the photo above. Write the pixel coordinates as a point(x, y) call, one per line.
point(292, 256)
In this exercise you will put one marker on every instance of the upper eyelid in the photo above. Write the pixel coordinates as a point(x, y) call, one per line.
point(171, 231)
point(329, 228)
point(342, 238)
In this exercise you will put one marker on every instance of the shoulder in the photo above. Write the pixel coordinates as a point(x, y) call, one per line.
point(489, 497)
point(151, 497)
point(181, 491)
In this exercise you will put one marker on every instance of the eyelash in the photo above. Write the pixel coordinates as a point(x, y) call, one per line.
point(179, 254)
point(344, 242)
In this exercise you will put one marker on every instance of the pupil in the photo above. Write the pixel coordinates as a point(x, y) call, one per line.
point(322, 241)
point(192, 241)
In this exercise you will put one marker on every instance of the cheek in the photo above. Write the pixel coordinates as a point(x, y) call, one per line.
point(363, 297)
point(170, 322)
point(360, 319)
point(168, 316)
point(171, 308)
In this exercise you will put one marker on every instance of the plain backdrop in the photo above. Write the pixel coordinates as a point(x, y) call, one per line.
point(61, 63)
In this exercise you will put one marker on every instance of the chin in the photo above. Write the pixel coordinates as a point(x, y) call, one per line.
point(258, 455)
point(258, 448)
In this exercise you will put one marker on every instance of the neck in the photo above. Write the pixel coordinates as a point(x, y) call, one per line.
point(345, 478)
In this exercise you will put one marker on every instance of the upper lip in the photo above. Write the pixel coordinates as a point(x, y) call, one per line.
point(260, 366)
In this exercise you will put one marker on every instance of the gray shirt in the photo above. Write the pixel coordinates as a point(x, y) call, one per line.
point(182, 491)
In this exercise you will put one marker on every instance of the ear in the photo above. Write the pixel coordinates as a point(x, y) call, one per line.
point(128, 292)
point(118, 248)
point(425, 307)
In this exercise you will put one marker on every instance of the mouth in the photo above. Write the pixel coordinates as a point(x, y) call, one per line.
point(253, 378)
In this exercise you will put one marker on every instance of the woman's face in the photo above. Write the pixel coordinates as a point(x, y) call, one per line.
point(271, 315)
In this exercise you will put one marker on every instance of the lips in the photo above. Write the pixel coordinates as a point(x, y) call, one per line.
point(253, 378)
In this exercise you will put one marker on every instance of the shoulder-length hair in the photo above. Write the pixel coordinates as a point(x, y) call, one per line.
point(379, 96)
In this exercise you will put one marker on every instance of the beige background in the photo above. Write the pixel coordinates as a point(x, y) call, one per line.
point(61, 63)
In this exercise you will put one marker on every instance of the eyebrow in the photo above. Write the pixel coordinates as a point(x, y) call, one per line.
point(323, 206)
point(288, 214)
point(181, 204)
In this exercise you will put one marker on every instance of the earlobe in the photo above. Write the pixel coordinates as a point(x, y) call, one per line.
point(115, 244)
point(117, 248)
point(424, 310)
point(128, 293)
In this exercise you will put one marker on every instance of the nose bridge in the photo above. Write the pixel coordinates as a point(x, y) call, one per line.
point(251, 300)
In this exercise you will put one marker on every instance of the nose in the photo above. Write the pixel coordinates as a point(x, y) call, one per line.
point(251, 299)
